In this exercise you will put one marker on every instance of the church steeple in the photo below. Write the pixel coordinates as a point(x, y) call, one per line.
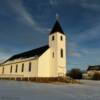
point(56, 27)
point(57, 45)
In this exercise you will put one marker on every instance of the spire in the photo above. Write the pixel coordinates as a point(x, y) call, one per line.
point(57, 26)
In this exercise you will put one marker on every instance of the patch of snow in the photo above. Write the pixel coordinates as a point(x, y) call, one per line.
point(14, 90)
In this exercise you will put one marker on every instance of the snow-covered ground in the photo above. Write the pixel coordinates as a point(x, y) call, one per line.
point(13, 90)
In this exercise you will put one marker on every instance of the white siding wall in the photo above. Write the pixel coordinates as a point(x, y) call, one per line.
point(44, 65)
point(0, 70)
point(19, 73)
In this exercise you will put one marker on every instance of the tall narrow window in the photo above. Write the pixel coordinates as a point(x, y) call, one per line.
point(30, 65)
point(53, 37)
point(61, 53)
point(22, 67)
point(3, 70)
point(16, 68)
point(61, 38)
point(11, 69)
point(53, 54)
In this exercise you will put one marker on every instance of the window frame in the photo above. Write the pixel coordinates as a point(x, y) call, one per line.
point(22, 70)
point(61, 53)
point(53, 54)
point(30, 67)
point(16, 69)
point(61, 38)
point(53, 37)
point(11, 67)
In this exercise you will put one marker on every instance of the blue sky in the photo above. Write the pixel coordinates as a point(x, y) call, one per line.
point(25, 24)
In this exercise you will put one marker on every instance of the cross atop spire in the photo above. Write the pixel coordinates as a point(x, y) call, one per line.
point(57, 17)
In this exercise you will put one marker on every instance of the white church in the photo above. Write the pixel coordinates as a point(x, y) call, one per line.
point(44, 62)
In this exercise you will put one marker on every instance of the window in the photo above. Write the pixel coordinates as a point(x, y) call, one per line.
point(53, 37)
point(11, 69)
point(16, 68)
point(22, 67)
point(53, 54)
point(61, 53)
point(61, 38)
point(30, 66)
point(3, 70)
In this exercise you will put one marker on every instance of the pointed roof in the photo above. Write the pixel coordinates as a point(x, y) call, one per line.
point(56, 28)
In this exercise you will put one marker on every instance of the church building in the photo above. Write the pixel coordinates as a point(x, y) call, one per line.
point(46, 61)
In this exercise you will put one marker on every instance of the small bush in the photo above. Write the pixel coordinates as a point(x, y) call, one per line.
point(75, 74)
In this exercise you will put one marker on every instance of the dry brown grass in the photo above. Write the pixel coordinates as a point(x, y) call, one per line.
point(45, 80)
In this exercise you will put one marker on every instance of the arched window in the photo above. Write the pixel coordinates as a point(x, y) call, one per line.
point(11, 69)
point(30, 65)
point(22, 67)
point(16, 68)
point(53, 37)
point(61, 53)
point(61, 38)
point(3, 70)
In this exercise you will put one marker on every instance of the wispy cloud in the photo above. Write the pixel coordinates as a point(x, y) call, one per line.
point(88, 35)
point(75, 54)
point(18, 7)
point(3, 57)
point(88, 4)
point(53, 2)
point(25, 16)
point(73, 50)
point(93, 5)
point(5, 52)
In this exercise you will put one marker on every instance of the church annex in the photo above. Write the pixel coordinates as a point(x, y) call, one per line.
point(46, 61)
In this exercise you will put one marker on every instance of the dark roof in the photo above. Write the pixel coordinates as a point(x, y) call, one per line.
point(35, 52)
point(57, 28)
point(95, 67)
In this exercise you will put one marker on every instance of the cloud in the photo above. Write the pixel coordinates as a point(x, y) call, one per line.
point(17, 6)
point(4, 56)
point(5, 53)
point(91, 52)
point(75, 54)
point(25, 16)
point(53, 2)
point(91, 34)
point(74, 50)
point(93, 5)
point(87, 4)
point(43, 30)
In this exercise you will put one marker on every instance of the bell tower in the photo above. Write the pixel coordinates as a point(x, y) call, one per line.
point(57, 44)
